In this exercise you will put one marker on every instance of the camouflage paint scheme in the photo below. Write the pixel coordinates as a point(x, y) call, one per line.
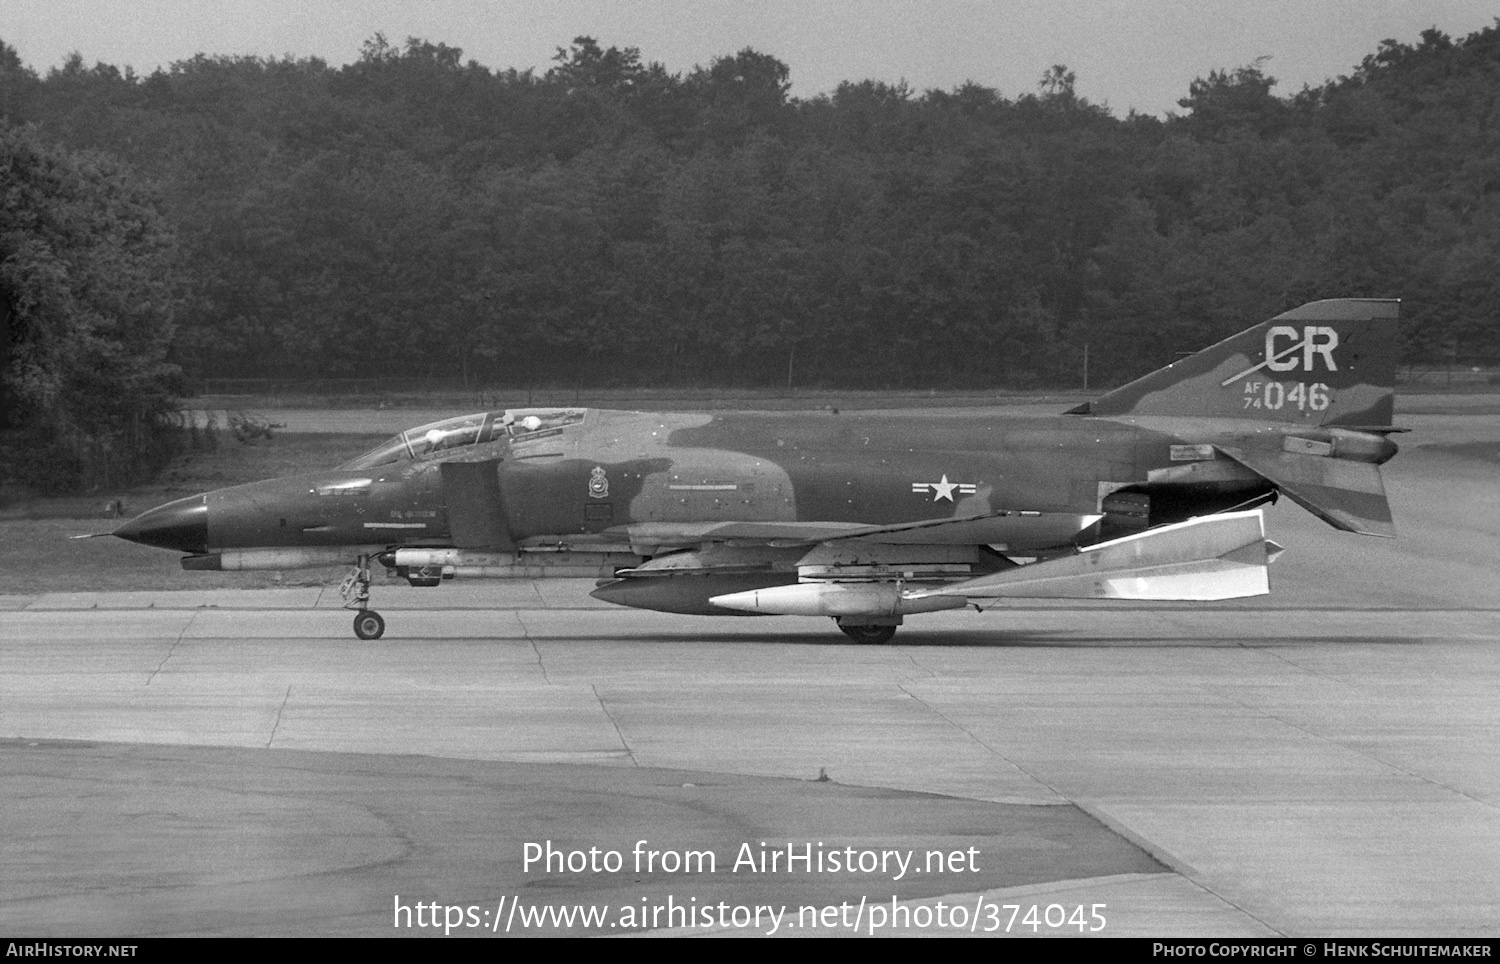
point(687, 507)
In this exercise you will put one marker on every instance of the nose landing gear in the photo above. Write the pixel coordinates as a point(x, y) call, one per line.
point(355, 589)
point(368, 624)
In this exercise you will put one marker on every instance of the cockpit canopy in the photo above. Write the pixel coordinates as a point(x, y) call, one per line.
point(466, 430)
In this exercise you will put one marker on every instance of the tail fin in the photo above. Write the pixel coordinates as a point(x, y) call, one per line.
point(1326, 363)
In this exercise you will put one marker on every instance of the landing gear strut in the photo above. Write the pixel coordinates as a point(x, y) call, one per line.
point(871, 635)
point(355, 589)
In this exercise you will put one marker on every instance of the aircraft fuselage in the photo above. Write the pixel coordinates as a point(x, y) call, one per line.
point(631, 478)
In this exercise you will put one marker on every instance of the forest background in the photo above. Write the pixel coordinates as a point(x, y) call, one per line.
point(611, 223)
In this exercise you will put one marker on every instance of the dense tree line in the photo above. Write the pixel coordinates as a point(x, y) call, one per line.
point(87, 295)
point(611, 222)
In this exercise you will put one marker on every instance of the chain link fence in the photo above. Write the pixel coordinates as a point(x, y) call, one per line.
point(1463, 374)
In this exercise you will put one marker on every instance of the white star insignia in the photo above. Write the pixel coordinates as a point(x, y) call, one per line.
point(944, 489)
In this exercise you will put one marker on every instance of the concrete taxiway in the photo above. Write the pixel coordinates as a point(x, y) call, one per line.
point(1323, 762)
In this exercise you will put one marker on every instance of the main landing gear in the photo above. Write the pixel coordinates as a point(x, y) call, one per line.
point(355, 589)
point(870, 635)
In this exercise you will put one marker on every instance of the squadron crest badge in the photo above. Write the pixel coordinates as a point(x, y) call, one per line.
point(598, 483)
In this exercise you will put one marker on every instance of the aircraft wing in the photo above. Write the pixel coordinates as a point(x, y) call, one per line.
point(1035, 528)
point(780, 533)
point(1346, 494)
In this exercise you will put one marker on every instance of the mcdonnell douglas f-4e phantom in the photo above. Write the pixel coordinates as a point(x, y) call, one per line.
point(1149, 492)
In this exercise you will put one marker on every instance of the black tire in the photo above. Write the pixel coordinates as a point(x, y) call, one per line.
point(869, 635)
point(368, 624)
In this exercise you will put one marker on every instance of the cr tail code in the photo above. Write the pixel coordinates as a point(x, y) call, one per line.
point(1312, 342)
point(1316, 340)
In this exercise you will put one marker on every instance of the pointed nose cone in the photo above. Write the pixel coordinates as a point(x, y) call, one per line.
point(181, 525)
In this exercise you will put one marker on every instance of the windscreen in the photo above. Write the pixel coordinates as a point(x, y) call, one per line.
point(525, 424)
point(424, 440)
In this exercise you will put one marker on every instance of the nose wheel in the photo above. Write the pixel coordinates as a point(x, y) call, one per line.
point(355, 589)
point(368, 624)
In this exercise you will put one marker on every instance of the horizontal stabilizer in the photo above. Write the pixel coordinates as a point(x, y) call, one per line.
point(1346, 494)
point(1214, 557)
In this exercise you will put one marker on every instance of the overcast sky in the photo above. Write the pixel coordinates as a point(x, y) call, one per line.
point(1139, 54)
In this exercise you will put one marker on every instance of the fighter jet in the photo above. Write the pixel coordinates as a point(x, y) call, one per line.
point(1149, 492)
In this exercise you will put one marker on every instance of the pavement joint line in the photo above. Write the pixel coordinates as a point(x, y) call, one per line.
point(279, 710)
point(594, 688)
point(526, 633)
point(1270, 650)
point(907, 652)
point(1166, 858)
point(1259, 920)
point(991, 750)
point(1349, 748)
point(172, 649)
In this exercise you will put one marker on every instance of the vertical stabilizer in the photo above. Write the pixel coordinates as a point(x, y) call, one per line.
point(1326, 363)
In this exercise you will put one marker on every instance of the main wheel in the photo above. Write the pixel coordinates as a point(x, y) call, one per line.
point(368, 624)
point(872, 635)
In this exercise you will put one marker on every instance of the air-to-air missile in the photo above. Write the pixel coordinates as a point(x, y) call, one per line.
point(1148, 492)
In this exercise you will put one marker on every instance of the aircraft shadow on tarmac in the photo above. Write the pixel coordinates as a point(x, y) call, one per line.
point(1037, 640)
point(979, 639)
